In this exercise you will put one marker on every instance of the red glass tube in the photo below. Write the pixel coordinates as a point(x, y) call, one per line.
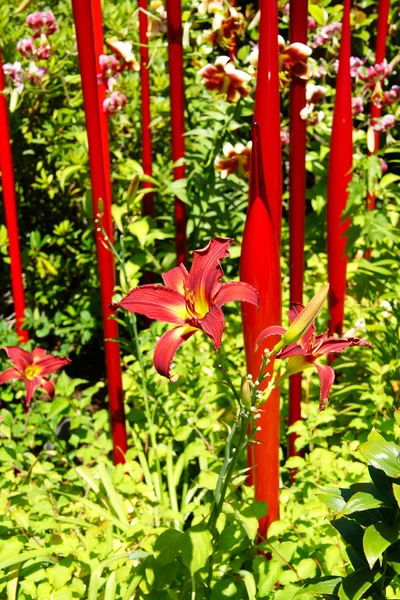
point(87, 17)
point(177, 96)
point(297, 188)
point(267, 109)
point(260, 266)
point(260, 263)
point(380, 51)
point(339, 176)
point(10, 209)
point(148, 200)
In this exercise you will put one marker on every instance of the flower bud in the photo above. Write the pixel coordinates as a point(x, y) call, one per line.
point(245, 392)
point(304, 319)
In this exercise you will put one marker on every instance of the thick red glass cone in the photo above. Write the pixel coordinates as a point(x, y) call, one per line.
point(10, 209)
point(89, 35)
point(339, 176)
point(297, 192)
point(380, 52)
point(267, 109)
point(260, 266)
point(177, 96)
point(148, 200)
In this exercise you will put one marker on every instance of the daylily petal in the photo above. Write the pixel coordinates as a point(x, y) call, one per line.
point(213, 325)
point(237, 291)
point(336, 345)
point(291, 350)
point(206, 272)
point(175, 279)
point(50, 363)
point(300, 70)
point(273, 330)
point(296, 364)
point(18, 356)
point(48, 386)
point(155, 302)
point(297, 52)
point(327, 377)
point(30, 387)
point(38, 353)
point(281, 43)
point(9, 374)
point(167, 346)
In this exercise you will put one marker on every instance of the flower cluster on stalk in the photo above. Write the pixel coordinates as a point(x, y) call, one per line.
point(111, 66)
point(35, 48)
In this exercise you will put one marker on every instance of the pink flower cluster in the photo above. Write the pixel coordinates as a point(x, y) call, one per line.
point(114, 103)
point(375, 73)
point(111, 65)
point(355, 64)
point(357, 106)
point(38, 46)
point(384, 124)
point(381, 99)
point(325, 34)
point(18, 75)
point(42, 23)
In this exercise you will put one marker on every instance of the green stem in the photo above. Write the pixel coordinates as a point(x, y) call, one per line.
point(171, 484)
point(133, 324)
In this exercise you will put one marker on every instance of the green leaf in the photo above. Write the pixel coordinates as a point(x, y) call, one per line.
point(250, 584)
point(167, 546)
point(66, 173)
point(111, 587)
point(334, 502)
point(377, 538)
point(320, 585)
point(352, 533)
point(113, 496)
point(196, 547)
point(396, 492)
point(393, 559)
point(357, 583)
point(388, 179)
point(382, 455)
point(318, 13)
point(361, 501)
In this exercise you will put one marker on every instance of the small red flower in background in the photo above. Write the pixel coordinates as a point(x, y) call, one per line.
point(226, 79)
point(32, 368)
point(292, 58)
point(224, 28)
point(236, 157)
point(310, 347)
point(190, 300)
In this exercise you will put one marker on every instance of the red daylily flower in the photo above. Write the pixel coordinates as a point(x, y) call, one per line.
point(224, 77)
point(236, 157)
point(190, 300)
point(32, 368)
point(292, 58)
point(309, 348)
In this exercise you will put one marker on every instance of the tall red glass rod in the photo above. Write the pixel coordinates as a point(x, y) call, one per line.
point(339, 176)
point(148, 200)
point(10, 209)
point(88, 35)
point(260, 263)
point(267, 109)
point(297, 190)
point(177, 96)
point(380, 51)
point(260, 266)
